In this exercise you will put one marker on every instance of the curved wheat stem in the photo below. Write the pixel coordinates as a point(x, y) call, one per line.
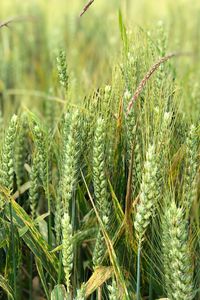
point(148, 75)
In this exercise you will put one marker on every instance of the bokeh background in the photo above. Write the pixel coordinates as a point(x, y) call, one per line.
point(92, 43)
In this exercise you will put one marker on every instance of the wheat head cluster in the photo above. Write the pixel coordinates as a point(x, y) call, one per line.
point(99, 185)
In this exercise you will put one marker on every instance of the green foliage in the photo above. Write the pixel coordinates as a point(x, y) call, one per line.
point(95, 202)
point(58, 293)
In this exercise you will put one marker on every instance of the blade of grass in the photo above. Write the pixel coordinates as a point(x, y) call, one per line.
point(12, 243)
point(32, 237)
point(59, 293)
point(138, 271)
point(42, 277)
point(111, 251)
point(6, 287)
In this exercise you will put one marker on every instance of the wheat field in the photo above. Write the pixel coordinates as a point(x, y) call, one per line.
point(99, 150)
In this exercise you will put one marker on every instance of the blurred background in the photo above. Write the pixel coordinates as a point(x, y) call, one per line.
point(92, 43)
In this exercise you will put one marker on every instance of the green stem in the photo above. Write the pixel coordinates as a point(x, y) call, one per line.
point(138, 271)
point(73, 214)
point(31, 277)
point(151, 269)
point(60, 268)
point(49, 209)
point(49, 205)
point(49, 222)
point(13, 248)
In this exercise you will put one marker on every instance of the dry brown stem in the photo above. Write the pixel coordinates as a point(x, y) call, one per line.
point(86, 7)
point(148, 75)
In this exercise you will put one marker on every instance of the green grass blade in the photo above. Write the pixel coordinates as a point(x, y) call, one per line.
point(34, 239)
point(59, 293)
point(42, 277)
point(6, 287)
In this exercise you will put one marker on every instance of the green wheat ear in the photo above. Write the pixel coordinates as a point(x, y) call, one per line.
point(70, 158)
point(100, 187)
point(191, 168)
point(177, 261)
point(34, 186)
point(7, 159)
point(69, 167)
point(40, 140)
point(62, 69)
point(99, 250)
point(21, 149)
point(148, 194)
point(113, 291)
point(67, 250)
point(80, 295)
point(133, 145)
point(99, 170)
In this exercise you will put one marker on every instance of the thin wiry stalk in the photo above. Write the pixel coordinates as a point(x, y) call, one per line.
point(148, 75)
point(86, 7)
point(138, 271)
point(14, 20)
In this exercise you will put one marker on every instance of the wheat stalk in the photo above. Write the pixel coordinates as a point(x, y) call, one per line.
point(15, 19)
